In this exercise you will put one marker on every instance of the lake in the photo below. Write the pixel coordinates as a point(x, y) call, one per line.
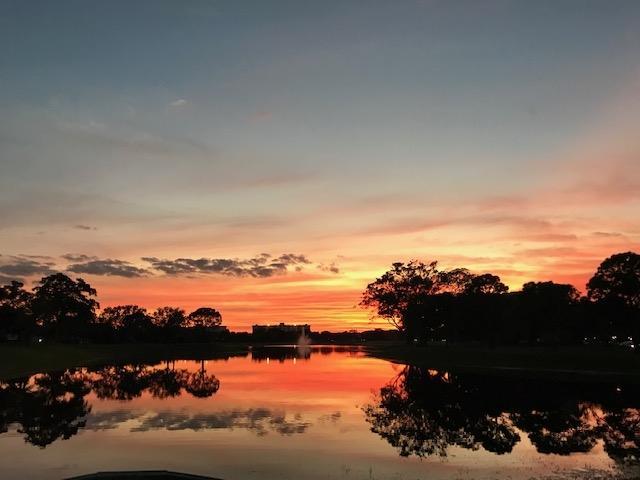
point(314, 413)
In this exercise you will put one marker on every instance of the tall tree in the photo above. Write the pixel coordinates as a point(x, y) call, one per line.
point(546, 309)
point(617, 280)
point(404, 285)
point(485, 284)
point(64, 305)
point(204, 317)
point(131, 322)
point(169, 317)
point(15, 312)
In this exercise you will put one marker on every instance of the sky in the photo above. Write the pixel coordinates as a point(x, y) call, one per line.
point(270, 159)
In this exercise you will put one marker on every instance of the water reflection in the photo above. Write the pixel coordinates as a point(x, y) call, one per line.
point(311, 406)
point(47, 407)
point(426, 412)
point(52, 406)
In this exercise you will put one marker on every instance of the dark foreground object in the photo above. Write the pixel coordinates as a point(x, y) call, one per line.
point(141, 475)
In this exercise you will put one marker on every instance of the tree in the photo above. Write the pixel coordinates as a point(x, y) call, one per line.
point(485, 284)
point(204, 317)
point(422, 301)
point(15, 314)
point(64, 305)
point(119, 316)
point(131, 322)
point(617, 280)
point(169, 317)
point(404, 285)
point(169, 321)
point(546, 309)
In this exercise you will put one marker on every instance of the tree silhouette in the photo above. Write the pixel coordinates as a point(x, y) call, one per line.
point(618, 280)
point(485, 284)
point(425, 302)
point(64, 305)
point(545, 309)
point(131, 322)
point(403, 285)
point(204, 317)
point(15, 311)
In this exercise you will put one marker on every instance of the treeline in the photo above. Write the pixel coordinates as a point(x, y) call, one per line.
point(64, 309)
point(429, 304)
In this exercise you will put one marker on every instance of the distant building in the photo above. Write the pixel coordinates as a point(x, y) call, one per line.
point(281, 332)
point(217, 329)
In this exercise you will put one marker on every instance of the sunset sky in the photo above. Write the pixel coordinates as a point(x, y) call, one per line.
point(270, 159)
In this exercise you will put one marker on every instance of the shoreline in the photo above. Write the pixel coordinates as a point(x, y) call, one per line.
point(569, 363)
point(562, 363)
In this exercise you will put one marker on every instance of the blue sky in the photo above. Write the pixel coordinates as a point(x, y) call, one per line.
point(350, 131)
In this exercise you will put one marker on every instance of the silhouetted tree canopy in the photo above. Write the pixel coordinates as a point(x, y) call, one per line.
point(485, 284)
point(15, 310)
point(421, 300)
point(617, 280)
point(428, 304)
point(64, 305)
point(204, 317)
point(392, 294)
point(169, 317)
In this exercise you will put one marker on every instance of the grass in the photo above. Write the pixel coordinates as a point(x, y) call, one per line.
point(21, 360)
point(567, 362)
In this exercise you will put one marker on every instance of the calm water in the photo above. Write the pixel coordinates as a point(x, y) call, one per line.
point(324, 413)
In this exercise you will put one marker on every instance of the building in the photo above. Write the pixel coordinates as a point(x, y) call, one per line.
point(281, 332)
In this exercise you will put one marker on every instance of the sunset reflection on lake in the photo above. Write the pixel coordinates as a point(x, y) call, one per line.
point(272, 414)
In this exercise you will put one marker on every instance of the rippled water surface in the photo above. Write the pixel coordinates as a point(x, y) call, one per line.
point(282, 413)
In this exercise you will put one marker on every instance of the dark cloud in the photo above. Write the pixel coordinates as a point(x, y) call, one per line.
point(260, 266)
point(17, 267)
point(84, 227)
point(116, 268)
point(331, 268)
point(259, 420)
point(607, 234)
point(78, 257)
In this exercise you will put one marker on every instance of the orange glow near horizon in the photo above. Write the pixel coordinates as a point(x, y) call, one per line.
point(326, 302)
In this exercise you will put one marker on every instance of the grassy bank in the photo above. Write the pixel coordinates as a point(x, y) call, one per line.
point(584, 362)
point(19, 360)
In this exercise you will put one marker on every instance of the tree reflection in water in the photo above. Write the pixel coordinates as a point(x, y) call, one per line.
point(201, 385)
point(52, 406)
point(47, 407)
point(425, 412)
